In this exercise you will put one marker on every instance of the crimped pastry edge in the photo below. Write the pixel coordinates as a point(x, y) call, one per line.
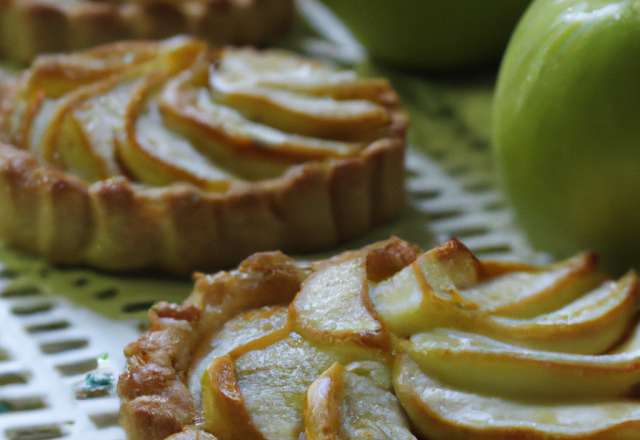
point(118, 225)
point(32, 27)
point(156, 402)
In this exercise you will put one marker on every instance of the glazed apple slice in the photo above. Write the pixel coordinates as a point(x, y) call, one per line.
point(409, 304)
point(85, 137)
point(156, 155)
point(443, 413)
point(76, 132)
point(525, 291)
point(241, 69)
point(334, 306)
point(223, 133)
point(320, 117)
point(343, 405)
point(483, 365)
point(238, 331)
point(400, 299)
point(57, 75)
point(258, 390)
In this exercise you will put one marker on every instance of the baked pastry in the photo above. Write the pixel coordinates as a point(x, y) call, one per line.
point(180, 157)
point(32, 27)
point(390, 343)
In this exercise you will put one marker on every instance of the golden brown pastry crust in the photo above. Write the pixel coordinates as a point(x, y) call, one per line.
point(156, 400)
point(159, 388)
point(119, 224)
point(32, 27)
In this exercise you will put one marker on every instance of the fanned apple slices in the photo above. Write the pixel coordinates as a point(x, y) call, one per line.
point(177, 156)
point(388, 342)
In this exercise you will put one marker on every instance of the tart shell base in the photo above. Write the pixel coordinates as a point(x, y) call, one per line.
point(31, 27)
point(116, 224)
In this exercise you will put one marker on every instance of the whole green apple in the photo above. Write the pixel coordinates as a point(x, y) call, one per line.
point(566, 128)
point(431, 35)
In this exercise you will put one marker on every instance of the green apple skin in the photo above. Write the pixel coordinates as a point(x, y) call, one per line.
point(431, 35)
point(566, 128)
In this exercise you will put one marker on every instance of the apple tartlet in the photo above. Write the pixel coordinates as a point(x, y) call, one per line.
point(390, 342)
point(32, 27)
point(179, 157)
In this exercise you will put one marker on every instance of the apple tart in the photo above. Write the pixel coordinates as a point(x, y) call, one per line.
point(180, 157)
point(389, 342)
point(32, 27)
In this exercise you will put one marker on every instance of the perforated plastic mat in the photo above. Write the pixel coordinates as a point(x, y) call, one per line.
point(62, 330)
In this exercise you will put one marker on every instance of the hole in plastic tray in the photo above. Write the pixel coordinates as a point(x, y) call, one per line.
point(106, 294)
point(498, 248)
point(13, 379)
point(444, 214)
point(494, 205)
point(426, 193)
point(16, 292)
point(32, 309)
point(4, 355)
point(469, 231)
point(46, 432)
point(137, 307)
point(478, 187)
point(62, 346)
point(80, 282)
point(23, 404)
point(458, 170)
point(48, 327)
point(8, 273)
point(76, 368)
point(107, 420)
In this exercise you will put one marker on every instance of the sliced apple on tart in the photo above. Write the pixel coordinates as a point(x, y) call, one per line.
point(440, 412)
point(483, 365)
point(333, 305)
point(339, 363)
point(265, 383)
point(422, 297)
point(344, 405)
point(208, 155)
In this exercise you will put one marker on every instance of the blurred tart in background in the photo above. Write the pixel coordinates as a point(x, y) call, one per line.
point(32, 27)
point(179, 157)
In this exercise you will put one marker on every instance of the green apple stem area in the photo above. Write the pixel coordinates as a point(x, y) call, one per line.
point(392, 342)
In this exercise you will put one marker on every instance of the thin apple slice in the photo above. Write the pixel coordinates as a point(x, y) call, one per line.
point(443, 413)
point(60, 74)
point(225, 411)
point(483, 365)
point(86, 137)
point(155, 155)
point(320, 117)
point(344, 405)
point(519, 293)
point(334, 306)
point(409, 304)
point(241, 69)
point(269, 379)
point(589, 325)
point(238, 331)
point(400, 299)
point(223, 131)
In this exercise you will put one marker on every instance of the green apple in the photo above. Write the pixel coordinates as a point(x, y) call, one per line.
point(432, 35)
point(566, 128)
